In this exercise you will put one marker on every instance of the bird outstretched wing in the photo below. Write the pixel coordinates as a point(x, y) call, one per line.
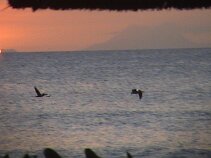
point(37, 91)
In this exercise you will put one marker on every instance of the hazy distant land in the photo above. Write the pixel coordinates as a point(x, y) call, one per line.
point(7, 50)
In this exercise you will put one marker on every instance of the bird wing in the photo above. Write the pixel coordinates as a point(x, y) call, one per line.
point(140, 95)
point(37, 91)
point(129, 155)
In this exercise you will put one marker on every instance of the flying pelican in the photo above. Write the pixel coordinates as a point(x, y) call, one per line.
point(137, 91)
point(38, 93)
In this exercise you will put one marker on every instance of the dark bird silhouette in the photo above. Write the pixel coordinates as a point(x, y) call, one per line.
point(137, 91)
point(38, 93)
point(90, 154)
point(6, 156)
point(29, 156)
point(129, 155)
point(50, 153)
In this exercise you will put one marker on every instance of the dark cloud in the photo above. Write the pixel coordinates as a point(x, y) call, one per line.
point(109, 4)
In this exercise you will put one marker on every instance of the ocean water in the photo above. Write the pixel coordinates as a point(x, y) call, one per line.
point(91, 106)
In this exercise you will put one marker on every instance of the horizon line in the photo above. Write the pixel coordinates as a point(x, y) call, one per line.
point(100, 50)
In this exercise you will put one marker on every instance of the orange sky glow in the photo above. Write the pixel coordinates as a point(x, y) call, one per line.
point(48, 30)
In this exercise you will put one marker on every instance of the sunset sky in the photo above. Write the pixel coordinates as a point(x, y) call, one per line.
point(49, 30)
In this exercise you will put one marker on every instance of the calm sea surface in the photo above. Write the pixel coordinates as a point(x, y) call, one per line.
point(90, 105)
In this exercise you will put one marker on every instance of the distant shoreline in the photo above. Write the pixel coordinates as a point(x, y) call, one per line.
point(88, 51)
point(8, 51)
